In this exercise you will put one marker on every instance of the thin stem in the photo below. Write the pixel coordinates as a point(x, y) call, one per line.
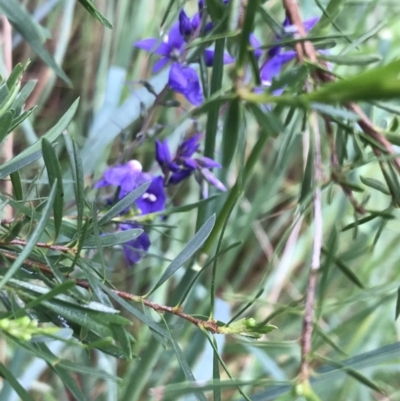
point(306, 335)
point(209, 325)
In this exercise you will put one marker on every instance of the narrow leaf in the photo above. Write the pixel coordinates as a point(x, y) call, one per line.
point(124, 203)
point(230, 134)
point(192, 246)
point(35, 237)
point(54, 173)
point(25, 25)
point(112, 239)
point(4, 372)
point(88, 5)
point(5, 124)
point(33, 153)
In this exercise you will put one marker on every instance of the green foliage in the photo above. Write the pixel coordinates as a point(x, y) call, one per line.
point(171, 327)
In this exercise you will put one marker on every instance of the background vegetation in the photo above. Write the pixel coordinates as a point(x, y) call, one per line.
point(69, 333)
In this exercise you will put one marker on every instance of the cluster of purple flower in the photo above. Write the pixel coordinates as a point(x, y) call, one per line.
point(129, 176)
point(184, 79)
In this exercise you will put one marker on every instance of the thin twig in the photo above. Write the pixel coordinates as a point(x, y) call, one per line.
point(209, 325)
point(58, 248)
point(307, 50)
point(316, 255)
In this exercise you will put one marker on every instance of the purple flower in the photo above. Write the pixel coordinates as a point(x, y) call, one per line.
point(256, 45)
point(153, 200)
point(183, 165)
point(277, 58)
point(184, 80)
point(170, 48)
point(128, 177)
point(134, 249)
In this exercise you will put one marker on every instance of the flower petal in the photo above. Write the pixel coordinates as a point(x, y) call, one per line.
point(179, 176)
point(133, 250)
point(184, 80)
point(175, 39)
point(154, 199)
point(163, 154)
point(273, 66)
point(160, 64)
point(255, 44)
point(154, 45)
point(209, 58)
point(212, 179)
point(206, 162)
point(188, 147)
point(185, 26)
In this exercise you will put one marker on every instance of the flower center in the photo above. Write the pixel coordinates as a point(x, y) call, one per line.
point(150, 197)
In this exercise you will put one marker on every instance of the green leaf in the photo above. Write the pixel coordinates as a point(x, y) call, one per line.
point(5, 124)
point(122, 337)
point(35, 237)
point(22, 117)
point(247, 29)
point(135, 312)
point(34, 152)
point(230, 134)
point(25, 25)
point(330, 13)
point(69, 383)
point(38, 289)
point(382, 83)
point(112, 239)
point(376, 184)
point(24, 395)
point(16, 74)
point(366, 219)
point(346, 270)
point(54, 173)
point(124, 203)
point(192, 246)
point(335, 111)
point(23, 95)
point(77, 173)
point(17, 185)
point(270, 124)
point(353, 59)
point(397, 313)
point(355, 374)
point(184, 364)
point(88, 5)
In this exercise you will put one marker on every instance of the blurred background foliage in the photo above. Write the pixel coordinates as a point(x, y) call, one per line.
point(355, 345)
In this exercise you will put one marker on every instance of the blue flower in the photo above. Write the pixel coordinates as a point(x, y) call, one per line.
point(153, 200)
point(182, 79)
point(128, 177)
point(185, 80)
point(183, 165)
point(134, 249)
point(277, 58)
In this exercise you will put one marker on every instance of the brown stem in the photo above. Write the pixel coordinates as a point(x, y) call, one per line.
point(209, 325)
point(307, 331)
point(308, 50)
point(59, 248)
